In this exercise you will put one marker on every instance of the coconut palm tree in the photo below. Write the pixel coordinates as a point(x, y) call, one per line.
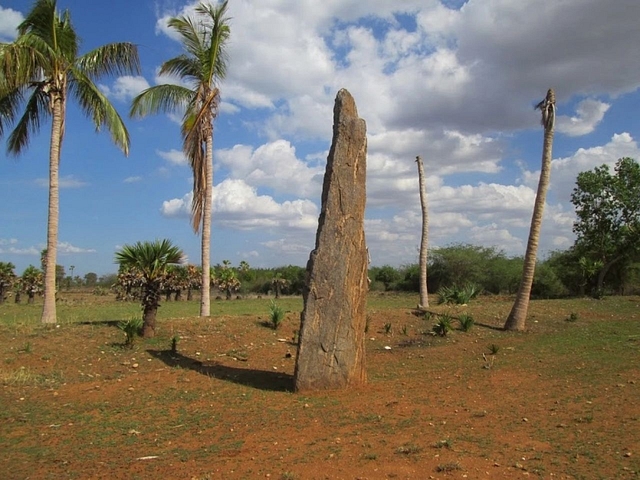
point(43, 64)
point(151, 260)
point(518, 315)
point(424, 242)
point(201, 67)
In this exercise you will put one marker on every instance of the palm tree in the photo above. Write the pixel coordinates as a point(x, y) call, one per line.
point(201, 67)
point(43, 63)
point(7, 279)
point(424, 242)
point(518, 315)
point(151, 260)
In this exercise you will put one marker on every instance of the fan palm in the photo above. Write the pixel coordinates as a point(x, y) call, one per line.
point(517, 317)
point(201, 67)
point(150, 260)
point(43, 64)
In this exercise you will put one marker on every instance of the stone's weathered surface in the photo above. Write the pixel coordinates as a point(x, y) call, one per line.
point(331, 351)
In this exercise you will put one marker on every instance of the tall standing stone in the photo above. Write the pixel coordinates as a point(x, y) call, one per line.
point(331, 352)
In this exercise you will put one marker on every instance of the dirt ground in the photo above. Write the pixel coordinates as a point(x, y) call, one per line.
point(76, 404)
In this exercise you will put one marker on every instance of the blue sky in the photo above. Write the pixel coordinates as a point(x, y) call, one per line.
point(452, 81)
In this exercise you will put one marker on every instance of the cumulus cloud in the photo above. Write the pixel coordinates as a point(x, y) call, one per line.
point(125, 88)
point(589, 114)
point(9, 21)
point(134, 179)
point(273, 165)
point(238, 205)
point(564, 171)
point(174, 157)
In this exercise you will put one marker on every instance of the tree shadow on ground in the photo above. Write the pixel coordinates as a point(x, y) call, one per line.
point(499, 328)
point(108, 323)
point(260, 379)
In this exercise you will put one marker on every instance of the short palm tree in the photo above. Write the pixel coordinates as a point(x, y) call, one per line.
point(518, 315)
point(43, 64)
point(201, 67)
point(151, 260)
point(7, 279)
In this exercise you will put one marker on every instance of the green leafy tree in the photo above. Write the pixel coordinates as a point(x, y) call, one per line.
point(518, 315)
point(7, 279)
point(91, 279)
point(151, 260)
point(387, 275)
point(43, 64)
point(201, 67)
point(608, 217)
point(225, 278)
point(279, 282)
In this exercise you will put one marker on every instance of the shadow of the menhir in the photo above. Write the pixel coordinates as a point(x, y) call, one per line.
point(260, 379)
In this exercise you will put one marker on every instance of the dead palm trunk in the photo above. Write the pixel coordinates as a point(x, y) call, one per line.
point(518, 315)
point(57, 133)
point(205, 300)
point(424, 293)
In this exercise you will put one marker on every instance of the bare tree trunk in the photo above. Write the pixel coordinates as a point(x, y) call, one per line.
point(205, 291)
point(57, 133)
point(424, 241)
point(518, 315)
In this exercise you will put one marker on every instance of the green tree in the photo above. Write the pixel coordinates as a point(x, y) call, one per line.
point(201, 67)
point(279, 282)
point(91, 279)
point(151, 260)
point(387, 275)
point(608, 217)
point(518, 315)
point(59, 275)
point(7, 279)
point(43, 64)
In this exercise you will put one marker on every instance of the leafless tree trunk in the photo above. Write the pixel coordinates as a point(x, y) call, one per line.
point(424, 242)
point(518, 315)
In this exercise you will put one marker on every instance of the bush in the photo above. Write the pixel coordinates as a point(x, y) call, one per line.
point(458, 295)
point(131, 328)
point(443, 327)
point(276, 315)
point(466, 322)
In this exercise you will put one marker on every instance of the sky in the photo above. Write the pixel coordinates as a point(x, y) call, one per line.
point(452, 81)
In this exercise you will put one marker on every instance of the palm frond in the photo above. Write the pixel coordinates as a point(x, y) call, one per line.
point(29, 123)
point(9, 103)
point(219, 32)
point(111, 59)
point(97, 106)
point(160, 98)
point(190, 34)
point(45, 23)
point(150, 258)
point(19, 66)
point(182, 66)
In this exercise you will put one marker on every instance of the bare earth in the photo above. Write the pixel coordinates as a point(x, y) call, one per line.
point(75, 404)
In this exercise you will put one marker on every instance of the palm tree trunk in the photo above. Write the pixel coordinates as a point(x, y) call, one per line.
point(57, 133)
point(424, 242)
point(205, 302)
point(518, 315)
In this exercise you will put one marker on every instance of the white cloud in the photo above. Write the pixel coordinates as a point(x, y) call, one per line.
point(9, 21)
point(237, 205)
point(125, 88)
point(65, 248)
point(174, 157)
point(273, 165)
point(564, 171)
point(134, 179)
point(68, 181)
point(589, 114)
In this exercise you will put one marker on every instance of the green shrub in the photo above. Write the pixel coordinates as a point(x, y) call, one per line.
point(131, 328)
point(458, 295)
point(276, 315)
point(466, 322)
point(443, 326)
